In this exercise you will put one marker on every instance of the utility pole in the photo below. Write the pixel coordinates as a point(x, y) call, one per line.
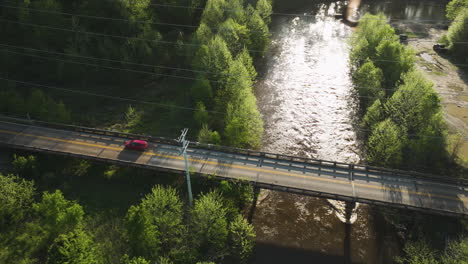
point(183, 150)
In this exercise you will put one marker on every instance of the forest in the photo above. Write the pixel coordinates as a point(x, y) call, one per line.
point(152, 68)
point(134, 66)
point(403, 120)
point(62, 51)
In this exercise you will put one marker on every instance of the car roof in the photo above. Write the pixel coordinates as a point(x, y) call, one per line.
point(139, 141)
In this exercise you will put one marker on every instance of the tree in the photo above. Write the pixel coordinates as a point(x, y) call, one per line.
point(258, 31)
point(27, 166)
point(417, 252)
point(235, 35)
point(155, 226)
point(244, 125)
point(214, 58)
point(247, 61)
point(213, 14)
point(201, 90)
point(395, 60)
point(58, 215)
point(209, 227)
point(12, 102)
point(235, 10)
point(203, 35)
point(236, 81)
point(76, 247)
point(385, 144)
point(374, 29)
point(456, 252)
point(136, 260)
point(414, 103)
point(265, 10)
point(16, 198)
point(205, 135)
point(200, 115)
point(242, 238)
point(368, 80)
point(454, 7)
point(374, 114)
point(458, 34)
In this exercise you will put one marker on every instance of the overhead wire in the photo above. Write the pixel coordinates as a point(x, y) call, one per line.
point(341, 97)
point(323, 125)
point(206, 72)
point(111, 35)
point(121, 19)
point(108, 67)
point(118, 61)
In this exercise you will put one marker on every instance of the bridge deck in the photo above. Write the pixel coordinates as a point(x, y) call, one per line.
point(322, 180)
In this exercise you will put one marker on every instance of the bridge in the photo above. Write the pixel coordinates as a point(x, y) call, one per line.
point(327, 179)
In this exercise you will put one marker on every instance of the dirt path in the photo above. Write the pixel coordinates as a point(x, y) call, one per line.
point(449, 81)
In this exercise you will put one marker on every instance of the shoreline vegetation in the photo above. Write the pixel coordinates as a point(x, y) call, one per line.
point(195, 65)
point(403, 116)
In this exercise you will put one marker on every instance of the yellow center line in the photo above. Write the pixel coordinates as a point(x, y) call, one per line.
point(346, 182)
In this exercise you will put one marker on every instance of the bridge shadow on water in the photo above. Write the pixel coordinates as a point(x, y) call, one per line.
point(276, 254)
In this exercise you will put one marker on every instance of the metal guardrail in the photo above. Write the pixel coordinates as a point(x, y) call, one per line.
point(354, 168)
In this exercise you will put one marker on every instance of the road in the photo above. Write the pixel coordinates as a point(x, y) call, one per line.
point(321, 180)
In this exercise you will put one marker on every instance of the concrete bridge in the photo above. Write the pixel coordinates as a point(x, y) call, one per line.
point(341, 181)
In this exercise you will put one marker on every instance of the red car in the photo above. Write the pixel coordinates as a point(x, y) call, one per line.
point(136, 144)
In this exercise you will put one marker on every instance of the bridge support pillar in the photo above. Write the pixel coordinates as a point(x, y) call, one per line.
point(349, 206)
point(256, 192)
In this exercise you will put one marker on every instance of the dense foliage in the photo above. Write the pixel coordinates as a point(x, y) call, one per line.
point(420, 252)
point(125, 44)
point(401, 108)
point(56, 230)
point(225, 60)
point(457, 34)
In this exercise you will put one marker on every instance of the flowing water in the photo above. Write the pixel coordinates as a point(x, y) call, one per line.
point(310, 109)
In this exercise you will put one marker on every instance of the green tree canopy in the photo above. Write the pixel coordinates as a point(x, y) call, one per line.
point(16, 198)
point(458, 34)
point(155, 225)
point(58, 215)
point(205, 135)
point(418, 252)
point(75, 247)
point(454, 8)
point(235, 35)
point(242, 239)
point(213, 14)
point(456, 252)
point(209, 227)
point(214, 58)
point(265, 10)
point(395, 60)
point(258, 30)
point(372, 30)
point(413, 103)
point(368, 80)
point(385, 144)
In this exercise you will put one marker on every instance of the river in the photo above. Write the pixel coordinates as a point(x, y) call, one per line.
point(306, 97)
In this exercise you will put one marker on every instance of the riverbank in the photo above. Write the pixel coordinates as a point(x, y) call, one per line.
point(449, 81)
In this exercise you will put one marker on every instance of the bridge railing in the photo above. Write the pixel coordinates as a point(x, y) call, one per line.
point(355, 168)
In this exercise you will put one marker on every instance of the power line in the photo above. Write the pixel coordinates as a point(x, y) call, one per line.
point(182, 69)
point(329, 125)
point(110, 35)
point(122, 19)
point(105, 67)
point(125, 62)
point(107, 96)
point(183, 77)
